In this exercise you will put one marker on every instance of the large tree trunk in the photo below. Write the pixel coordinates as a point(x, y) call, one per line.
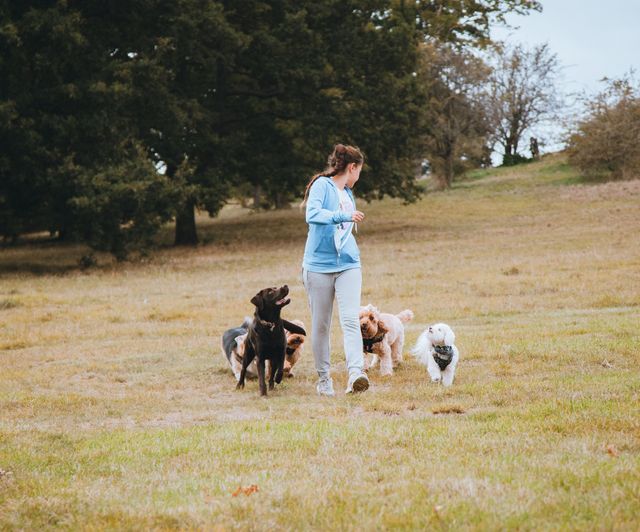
point(257, 197)
point(281, 200)
point(448, 169)
point(447, 150)
point(186, 234)
point(507, 158)
point(508, 148)
point(511, 146)
point(441, 179)
point(449, 162)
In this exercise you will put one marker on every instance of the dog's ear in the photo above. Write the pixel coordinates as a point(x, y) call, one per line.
point(258, 301)
point(449, 337)
point(382, 328)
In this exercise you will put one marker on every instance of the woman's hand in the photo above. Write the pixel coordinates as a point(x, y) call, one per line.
point(357, 216)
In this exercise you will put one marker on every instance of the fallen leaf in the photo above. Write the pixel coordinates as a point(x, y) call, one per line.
point(251, 489)
point(247, 491)
point(611, 449)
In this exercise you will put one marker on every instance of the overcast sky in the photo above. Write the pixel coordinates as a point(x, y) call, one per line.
point(592, 39)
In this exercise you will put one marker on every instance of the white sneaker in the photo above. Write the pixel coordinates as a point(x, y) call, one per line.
point(358, 382)
point(325, 386)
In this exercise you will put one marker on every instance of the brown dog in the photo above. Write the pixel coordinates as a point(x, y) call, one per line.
point(295, 345)
point(266, 338)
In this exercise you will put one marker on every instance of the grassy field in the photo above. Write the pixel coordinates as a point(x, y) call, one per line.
point(118, 411)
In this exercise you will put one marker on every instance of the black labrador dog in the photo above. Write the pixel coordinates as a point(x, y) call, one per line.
point(265, 336)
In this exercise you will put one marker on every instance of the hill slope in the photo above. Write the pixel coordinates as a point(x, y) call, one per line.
point(117, 409)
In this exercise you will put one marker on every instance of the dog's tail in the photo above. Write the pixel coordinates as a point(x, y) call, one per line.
point(405, 316)
point(422, 348)
point(247, 321)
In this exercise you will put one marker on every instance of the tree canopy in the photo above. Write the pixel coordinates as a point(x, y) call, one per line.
point(116, 116)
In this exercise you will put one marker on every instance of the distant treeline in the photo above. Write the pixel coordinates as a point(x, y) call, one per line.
point(97, 96)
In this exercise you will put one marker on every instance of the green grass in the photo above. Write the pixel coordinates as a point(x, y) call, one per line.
point(117, 410)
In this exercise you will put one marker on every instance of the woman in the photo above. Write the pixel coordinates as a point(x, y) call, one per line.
point(331, 265)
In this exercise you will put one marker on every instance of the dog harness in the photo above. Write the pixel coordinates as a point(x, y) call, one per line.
point(443, 355)
point(368, 343)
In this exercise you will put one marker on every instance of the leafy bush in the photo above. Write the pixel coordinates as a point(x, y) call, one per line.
point(606, 143)
point(512, 159)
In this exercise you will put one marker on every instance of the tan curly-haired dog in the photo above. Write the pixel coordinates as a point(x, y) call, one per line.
point(295, 345)
point(383, 336)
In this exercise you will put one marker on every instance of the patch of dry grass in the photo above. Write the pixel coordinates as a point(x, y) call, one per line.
point(117, 409)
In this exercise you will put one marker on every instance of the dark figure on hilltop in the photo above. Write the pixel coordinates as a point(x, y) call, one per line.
point(533, 146)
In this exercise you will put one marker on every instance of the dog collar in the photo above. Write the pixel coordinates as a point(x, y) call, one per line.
point(442, 354)
point(268, 324)
point(368, 343)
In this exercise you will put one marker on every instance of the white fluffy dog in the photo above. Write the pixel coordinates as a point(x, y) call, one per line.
point(435, 349)
point(383, 337)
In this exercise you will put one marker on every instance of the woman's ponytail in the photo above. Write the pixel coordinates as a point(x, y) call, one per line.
point(340, 158)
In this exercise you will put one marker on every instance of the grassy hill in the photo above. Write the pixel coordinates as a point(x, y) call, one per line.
point(118, 411)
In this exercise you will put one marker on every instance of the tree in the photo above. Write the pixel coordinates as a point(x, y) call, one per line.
point(464, 22)
point(523, 93)
point(455, 119)
point(607, 140)
point(173, 56)
point(71, 162)
point(39, 99)
point(220, 93)
point(348, 73)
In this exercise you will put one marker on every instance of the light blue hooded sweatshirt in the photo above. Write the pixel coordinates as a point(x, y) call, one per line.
point(322, 252)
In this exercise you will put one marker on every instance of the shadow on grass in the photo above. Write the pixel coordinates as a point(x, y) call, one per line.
point(45, 256)
point(37, 255)
point(243, 228)
point(284, 230)
point(37, 268)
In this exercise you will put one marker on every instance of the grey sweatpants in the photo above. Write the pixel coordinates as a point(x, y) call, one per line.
point(321, 289)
